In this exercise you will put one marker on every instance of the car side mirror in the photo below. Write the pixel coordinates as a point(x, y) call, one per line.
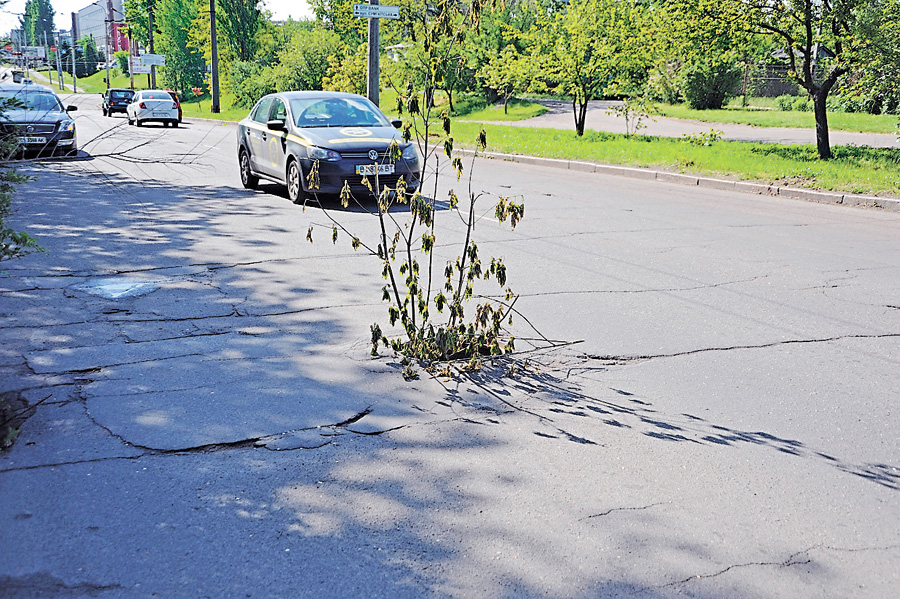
point(71, 108)
point(398, 124)
point(275, 125)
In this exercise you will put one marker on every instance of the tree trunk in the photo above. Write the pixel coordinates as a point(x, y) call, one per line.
point(580, 110)
point(822, 143)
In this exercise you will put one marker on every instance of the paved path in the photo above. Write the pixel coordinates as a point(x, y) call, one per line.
point(559, 116)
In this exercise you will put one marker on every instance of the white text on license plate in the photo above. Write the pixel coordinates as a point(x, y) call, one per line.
point(369, 169)
point(32, 140)
point(161, 114)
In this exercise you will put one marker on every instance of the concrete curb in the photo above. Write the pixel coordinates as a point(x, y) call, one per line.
point(825, 197)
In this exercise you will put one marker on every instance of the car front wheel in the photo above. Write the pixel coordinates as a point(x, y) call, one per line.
point(294, 182)
point(248, 179)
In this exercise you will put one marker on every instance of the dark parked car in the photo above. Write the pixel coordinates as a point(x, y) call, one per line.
point(116, 100)
point(348, 136)
point(36, 121)
point(175, 99)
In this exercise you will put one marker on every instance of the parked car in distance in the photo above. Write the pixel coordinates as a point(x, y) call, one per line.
point(347, 135)
point(18, 76)
point(152, 105)
point(35, 120)
point(174, 95)
point(116, 99)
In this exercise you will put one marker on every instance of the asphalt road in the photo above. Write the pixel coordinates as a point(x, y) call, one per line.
point(717, 418)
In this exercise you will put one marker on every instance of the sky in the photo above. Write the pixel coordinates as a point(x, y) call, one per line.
point(280, 9)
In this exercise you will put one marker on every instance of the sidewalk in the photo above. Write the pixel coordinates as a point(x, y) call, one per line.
point(559, 116)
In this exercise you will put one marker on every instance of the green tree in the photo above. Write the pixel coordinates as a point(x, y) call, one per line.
point(174, 20)
point(594, 48)
point(37, 22)
point(508, 74)
point(136, 17)
point(348, 72)
point(873, 82)
point(823, 41)
point(303, 63)
point(337, 16)
point(239, 23)
point(90, 56)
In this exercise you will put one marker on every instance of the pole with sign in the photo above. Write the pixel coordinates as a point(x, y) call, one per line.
point(373, 11)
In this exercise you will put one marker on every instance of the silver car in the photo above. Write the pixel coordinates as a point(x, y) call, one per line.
point(152, 105)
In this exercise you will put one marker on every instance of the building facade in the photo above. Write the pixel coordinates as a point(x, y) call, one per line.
point(102, 20)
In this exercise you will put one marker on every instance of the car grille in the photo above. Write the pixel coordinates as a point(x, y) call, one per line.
point(25, 129)
point(364, 155)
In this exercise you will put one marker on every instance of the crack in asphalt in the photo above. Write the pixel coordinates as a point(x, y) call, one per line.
point(792, 560)
point(789, 562)
point(622, 509)
point(619, 360)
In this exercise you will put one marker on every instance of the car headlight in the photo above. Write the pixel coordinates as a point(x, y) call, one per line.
point(67, 126)
point(317, 153)
point(410, 153)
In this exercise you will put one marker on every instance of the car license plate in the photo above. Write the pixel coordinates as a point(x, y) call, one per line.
point(369, 169)
point(32, 140)
point(160, 114)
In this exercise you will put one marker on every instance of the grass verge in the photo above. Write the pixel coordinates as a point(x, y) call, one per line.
point(870, 171)
point(764, 117)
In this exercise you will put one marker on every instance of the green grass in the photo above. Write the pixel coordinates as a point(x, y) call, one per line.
point(853, 169)
point(763, 114)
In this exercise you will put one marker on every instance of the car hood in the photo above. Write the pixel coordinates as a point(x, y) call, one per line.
point(343, 139)
point(35, 116)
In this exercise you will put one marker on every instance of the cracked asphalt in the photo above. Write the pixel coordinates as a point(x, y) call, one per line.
point(704, 403)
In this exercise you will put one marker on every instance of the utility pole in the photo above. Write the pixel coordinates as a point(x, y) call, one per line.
point(74, 53)
point(373, 11)
point(109, 35)
point(59, 75)
point(214, 58)
point(372, 83)
point(150, 31)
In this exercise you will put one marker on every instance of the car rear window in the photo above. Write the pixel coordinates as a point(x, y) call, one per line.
point(122, 95)
point(156, 96)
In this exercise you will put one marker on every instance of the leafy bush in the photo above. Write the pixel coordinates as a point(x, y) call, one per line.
point(802, 105)
point(121, 59)
point(704, 138)
point(707, 85)
point(785, 103)
point(248, 83)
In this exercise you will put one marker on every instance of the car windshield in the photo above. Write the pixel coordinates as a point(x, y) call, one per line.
point(336, 112)
point(34, 100)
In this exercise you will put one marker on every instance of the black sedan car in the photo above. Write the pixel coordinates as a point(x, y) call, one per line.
point(286, 133)
point(35, 121)
point(116, 100)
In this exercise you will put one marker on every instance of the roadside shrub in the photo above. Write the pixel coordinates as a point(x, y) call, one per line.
point(248, 83)
point(802, 105)
point(785, 103)
point(707, 85)
point(662, 86)
point(121, 60)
